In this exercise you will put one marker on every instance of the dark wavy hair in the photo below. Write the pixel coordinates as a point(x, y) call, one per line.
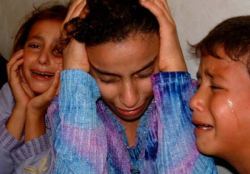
point(43, 12)
point(233, 34)
point(111, 20)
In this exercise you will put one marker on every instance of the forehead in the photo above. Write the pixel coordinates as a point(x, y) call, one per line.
point(133, 51)
point(50, 28)
point(223, 68)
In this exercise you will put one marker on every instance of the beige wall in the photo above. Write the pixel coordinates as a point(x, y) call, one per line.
point(194, 19)
point(12, 14)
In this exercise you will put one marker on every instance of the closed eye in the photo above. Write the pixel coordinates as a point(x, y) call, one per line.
point(108, 79)
point(145, 73)
point(215, 87)
point(33, 45)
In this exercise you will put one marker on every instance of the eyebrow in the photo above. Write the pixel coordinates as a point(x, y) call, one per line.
point(35, 37)
point(103, 72)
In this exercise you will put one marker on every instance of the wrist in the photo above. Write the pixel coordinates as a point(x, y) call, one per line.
point(35, 114)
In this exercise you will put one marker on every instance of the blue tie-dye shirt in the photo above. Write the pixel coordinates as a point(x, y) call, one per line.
point(88, 138)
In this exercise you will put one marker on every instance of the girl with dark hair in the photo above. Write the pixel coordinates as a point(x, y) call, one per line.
point(123, 104)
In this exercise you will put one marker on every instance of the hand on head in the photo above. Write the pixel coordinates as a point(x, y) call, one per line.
point(170, 56)
point(74, 55)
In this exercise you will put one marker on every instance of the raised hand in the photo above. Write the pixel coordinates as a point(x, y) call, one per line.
point(36, 110)
point(75, 56)
point(170, 56)
point(20, 89)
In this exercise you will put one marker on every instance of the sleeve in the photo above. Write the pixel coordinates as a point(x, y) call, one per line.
point(79, 138)
point(17, 155)
point(7, 141)
point(177, 152)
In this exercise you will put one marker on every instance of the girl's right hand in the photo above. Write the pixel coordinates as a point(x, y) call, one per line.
point(20, 89)
point(74, 55)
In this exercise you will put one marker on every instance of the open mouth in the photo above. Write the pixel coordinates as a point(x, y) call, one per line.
point(43, 75)
point(203, 126)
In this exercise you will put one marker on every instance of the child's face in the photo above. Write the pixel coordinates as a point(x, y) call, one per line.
point(221, 106)
point(122, 70)
point(41, 59)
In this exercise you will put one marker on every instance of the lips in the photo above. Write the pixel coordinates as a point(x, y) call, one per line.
point(42, 75)
point(201, 126)
point(131, 112)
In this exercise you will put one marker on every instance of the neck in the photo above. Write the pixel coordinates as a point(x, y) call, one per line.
point(241, 161)
point(131, 131)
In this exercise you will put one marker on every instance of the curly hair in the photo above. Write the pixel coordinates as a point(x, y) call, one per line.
point(111, 20)
point(51, 12)
point(233, 34)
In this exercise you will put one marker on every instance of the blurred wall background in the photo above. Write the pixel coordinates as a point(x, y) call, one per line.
point(194, 19)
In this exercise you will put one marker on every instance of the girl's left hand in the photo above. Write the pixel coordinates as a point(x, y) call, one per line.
point(170, 55)
point(36, 110)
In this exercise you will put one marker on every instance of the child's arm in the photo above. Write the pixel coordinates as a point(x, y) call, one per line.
point(177, 151)
point(173, 88)
point(36, 110)
point(15, 154)
point(79, 136)
point(7, 141)
point(16, 120)
point(80, 140)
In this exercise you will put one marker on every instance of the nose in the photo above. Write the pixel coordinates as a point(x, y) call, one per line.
point(129, 95)
point(197, 102)
point(44, 57)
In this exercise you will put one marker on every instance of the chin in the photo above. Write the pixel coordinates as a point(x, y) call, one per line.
point(39, 89)
point(129, 119)
point(206, 148)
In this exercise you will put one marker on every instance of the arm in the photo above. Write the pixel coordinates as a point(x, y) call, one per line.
point(173, 88)
point(7, 141)
point(79, 135)
point(16, 120)
point(80, 140)
point(16, 153)
point(177, 149)
point(170, 55)
point(36, 109)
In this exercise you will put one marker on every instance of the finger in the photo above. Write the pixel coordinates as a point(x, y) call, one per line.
point(17, 55)
point(13, 75)
point(27, 90)
point(79, 9)
point(159, 9)
point(25, 85)
point(72, 7)
point(75, 10)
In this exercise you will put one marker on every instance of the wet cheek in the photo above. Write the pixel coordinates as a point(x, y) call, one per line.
point(224, 112)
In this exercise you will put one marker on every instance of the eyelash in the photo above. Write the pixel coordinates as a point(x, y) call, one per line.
point(108, 81)
point(32, 45)
point(145, 74)
point(215, 87)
